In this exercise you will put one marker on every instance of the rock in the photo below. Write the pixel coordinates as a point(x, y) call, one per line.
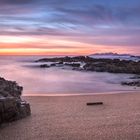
point(24, 109)
point(73, 64)
point(99, 65)
point(44, 66)
point(133, 83)
point(113, 66)
point(61, 62)
point(9, 112)
point(12, 107)
point(135, 77)
point(53, 65)
point(9, 89)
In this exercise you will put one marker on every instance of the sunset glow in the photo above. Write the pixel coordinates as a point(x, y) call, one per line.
point(46, 27)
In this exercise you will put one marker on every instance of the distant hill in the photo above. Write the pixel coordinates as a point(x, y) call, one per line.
point(115, 56)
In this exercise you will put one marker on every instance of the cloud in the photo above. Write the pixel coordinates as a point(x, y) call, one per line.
point(8, 2)
point(115, 23)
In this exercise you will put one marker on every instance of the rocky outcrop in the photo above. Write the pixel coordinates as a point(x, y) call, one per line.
point(99, 65)
point(44, 66)
point(133, 83)
point(12, 107)
point(73, 64)
point(114, 66)
point(64, 59)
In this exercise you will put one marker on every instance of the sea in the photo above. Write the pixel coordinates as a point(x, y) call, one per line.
point(56, 81)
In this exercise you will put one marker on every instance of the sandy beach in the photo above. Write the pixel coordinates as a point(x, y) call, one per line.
point(69, 118)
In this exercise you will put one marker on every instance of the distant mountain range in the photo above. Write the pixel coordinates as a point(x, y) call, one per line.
point(115, 56)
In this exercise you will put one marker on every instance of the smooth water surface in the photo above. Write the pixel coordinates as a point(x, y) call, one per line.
point(51, 81)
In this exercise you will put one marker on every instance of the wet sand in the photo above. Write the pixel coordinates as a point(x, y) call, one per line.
point(69, 118)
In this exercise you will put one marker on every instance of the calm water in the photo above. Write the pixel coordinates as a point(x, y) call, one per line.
point(53, 81)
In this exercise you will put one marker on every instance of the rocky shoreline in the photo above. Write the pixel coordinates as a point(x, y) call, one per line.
point(86, 63)
point(91, 64)
point(12, 107)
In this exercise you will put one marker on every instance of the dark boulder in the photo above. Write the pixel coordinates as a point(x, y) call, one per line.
point(53, 65)
point(44, 66)
point(133, 83)
point(73, 64)
point(12, 107)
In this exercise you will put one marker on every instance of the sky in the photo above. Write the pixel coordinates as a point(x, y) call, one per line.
point(69, 27)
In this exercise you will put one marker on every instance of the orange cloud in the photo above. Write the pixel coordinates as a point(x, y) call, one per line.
point(44, 45)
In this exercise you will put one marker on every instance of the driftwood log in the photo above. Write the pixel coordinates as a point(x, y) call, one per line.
point(95, 103)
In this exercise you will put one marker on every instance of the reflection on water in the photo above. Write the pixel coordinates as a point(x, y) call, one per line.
point(57, 80)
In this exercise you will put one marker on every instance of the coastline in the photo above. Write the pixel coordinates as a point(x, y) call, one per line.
point(80, 94)
point(68, 117)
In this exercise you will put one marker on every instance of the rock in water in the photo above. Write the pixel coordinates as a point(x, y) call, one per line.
point(12, 107)
point(133, 83)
